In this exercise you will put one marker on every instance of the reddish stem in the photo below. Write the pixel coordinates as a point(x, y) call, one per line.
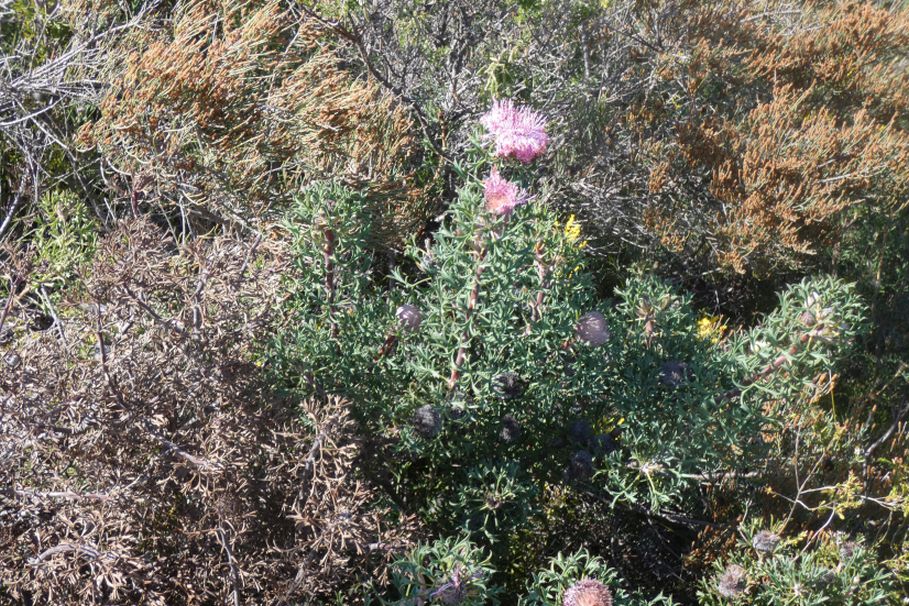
point(472, 301)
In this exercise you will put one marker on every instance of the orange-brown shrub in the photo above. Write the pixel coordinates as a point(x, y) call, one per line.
point(796, 174)
point(232, 106)
point(145, 459)
point(792, 121)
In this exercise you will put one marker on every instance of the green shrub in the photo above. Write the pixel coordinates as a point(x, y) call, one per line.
point(449, 571)
point(64, 240)
point(475, 355)
point(548, 587)
point(765, 569)
point(454, 571)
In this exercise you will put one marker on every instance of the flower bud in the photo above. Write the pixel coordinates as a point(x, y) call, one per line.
point(807, 318)
point(592, 328)
point(765, 541)
point(508, 385)
point(733, 581)
point(847, 550)
point(511, 429)
point(587, 592)
point(427, 421)
point(674, 373)
point(409, 317)
point(453, 592)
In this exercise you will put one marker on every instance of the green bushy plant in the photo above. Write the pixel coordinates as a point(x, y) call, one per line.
point(450, 422)
point(448, 571)
point(548, 586)
point(64, 240)
point(454, 571)
point(766, 569)
point(483, 366)
point(477, 353)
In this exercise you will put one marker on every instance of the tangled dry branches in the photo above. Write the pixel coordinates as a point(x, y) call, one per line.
point(146, 462)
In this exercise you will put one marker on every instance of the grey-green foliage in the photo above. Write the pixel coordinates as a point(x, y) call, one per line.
point(707, 419)
point(491, 501)
point(448, 571)
point(548, 586)
point(64, 238)
point(813, 327)
point(668, 385)
point(329, 300)
point(495, 378)
point(502, 337)
point(832, 570)
point(454, 571)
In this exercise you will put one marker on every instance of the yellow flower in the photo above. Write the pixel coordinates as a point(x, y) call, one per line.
point(711, 328)
point(572, 232)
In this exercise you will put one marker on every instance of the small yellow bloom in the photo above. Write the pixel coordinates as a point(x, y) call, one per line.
point(572, 232)
point(572, 229)
point(711, 328)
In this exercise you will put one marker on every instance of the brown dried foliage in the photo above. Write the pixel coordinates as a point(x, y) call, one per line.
point(796, 173)
point(145, 459)
point(793, 118)
point(852, 52)
point(231, 107)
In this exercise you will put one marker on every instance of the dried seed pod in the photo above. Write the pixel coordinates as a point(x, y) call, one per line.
point(847, 550)
point(593, 329)
point(580, 432)
point(765, 541)
point(581, 466)
point(587, 592)
point(674, 374)
point(453, 592)
point(427, 421)
point(807, 318)
point(409, 317)
point(508, 385)
point(511, 429)
point(825, 579)
point(733, 581)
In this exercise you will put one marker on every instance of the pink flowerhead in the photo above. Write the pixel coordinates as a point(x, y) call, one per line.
point(587, 592)
point(518, 132)
point(502, 196)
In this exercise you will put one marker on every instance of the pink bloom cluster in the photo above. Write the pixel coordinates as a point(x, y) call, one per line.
point(518, 132)
point(587, 592)
point(502, 196)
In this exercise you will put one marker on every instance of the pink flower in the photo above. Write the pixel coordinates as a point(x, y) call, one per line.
point(518, 132)
point(502, 196)
point(587, 592)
